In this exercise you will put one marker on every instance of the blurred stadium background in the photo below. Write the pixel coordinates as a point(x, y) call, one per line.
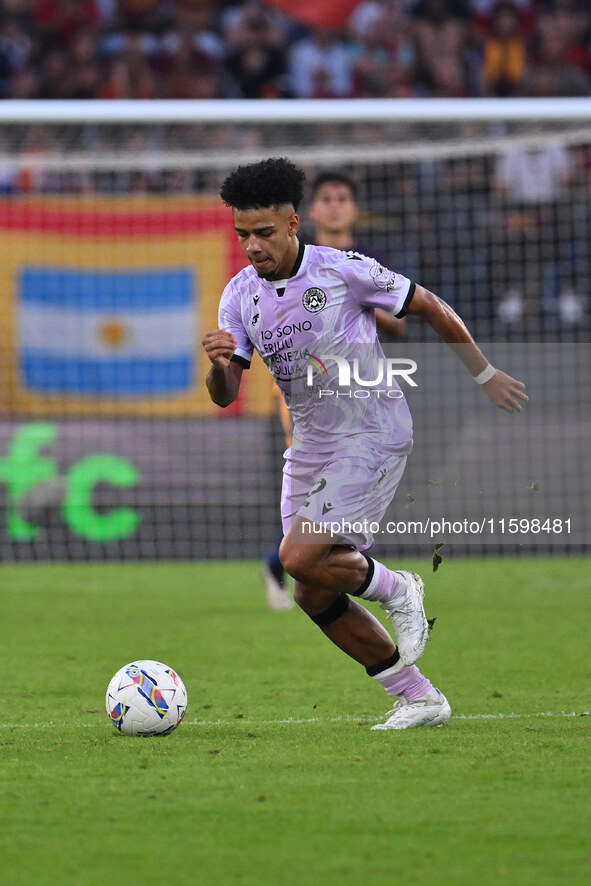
point(115, 248)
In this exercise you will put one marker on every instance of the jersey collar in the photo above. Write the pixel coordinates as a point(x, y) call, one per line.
point(281, 284)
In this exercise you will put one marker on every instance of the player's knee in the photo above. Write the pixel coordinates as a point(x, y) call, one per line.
point(323, 607)
point(297, 561)
point(283, 552)
point(312, 600)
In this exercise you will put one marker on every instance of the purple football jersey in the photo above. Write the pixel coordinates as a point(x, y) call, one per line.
point(316, 332)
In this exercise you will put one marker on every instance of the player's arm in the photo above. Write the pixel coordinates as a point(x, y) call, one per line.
point(501, 389)
point(388, 324)
point(223, 379)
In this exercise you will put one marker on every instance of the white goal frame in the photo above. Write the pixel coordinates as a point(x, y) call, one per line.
point(572, 112)
point(293, 110)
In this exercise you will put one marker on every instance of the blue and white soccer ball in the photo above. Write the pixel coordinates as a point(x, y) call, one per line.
point(146, 698)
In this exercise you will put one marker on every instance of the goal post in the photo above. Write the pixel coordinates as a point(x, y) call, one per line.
point(115, 248)
point(258, 111)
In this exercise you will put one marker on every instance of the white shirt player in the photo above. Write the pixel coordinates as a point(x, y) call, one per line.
point(301, 325)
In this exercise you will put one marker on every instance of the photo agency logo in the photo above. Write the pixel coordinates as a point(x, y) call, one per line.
point(349, 383)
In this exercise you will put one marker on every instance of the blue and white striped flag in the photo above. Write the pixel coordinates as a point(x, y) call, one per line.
point(107, 333)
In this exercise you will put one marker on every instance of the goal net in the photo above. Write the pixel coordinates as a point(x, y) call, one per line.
point(115, 248)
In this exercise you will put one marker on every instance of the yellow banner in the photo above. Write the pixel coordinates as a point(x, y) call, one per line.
point(104, 302)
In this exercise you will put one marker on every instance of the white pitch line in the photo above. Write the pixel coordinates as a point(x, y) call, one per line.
point(299, 721)
point(351, 719)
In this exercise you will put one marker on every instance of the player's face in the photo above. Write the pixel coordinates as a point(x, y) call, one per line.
point(334, 208)
point(268, 239)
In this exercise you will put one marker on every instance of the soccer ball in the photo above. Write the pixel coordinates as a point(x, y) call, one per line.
point(146, 698)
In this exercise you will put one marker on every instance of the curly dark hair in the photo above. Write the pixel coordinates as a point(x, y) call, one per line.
point(270, 182)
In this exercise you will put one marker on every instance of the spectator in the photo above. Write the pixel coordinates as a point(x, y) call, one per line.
point(504, 52)
point(189, 60)
point(482, 11)
point(196, 15)
point(24, 83)
point(321, 66)
point(192, 72)
point(568, 21)
point(560, 55)
point(118, 81)
point(560, 61)
point(16, 47)
point(207, 49)
point(87, 80)
point(382, 51)
point(16, 10)
point(58, 21)
point(440, 38)
point(448, 77)
point(534, 238)
point(107, 10)
point(232, 19)
point(54, 76)
point(87, 74)
point(128, 76)
point(141, 16)
point(256, 60)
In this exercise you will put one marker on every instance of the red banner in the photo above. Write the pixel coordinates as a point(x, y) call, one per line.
point(328, 14)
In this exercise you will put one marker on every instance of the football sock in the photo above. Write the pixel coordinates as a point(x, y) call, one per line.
point(274, 563)
point(276, 569)
point(381, 584)
point(407, 682)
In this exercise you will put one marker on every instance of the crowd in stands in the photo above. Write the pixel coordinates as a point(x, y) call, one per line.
point(143, 49)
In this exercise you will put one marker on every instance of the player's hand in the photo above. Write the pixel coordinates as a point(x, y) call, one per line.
point(219, 346)
point(505, 391)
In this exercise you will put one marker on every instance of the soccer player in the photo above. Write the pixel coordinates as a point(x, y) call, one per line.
point(334, 211)
point(293, 303)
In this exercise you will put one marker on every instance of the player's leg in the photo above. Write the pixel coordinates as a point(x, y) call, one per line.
point(278, 596)
point(340, 569)
point(355, 630)
point(348, 624)
point(327, 574)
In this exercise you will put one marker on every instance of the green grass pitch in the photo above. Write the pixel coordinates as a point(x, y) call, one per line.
point(275, 776)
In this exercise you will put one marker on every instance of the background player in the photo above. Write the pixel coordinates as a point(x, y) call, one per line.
point(274, 575)
point(334, 210)
point(355, 460)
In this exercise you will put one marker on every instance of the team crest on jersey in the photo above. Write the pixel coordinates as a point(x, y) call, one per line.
point(314, 299)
